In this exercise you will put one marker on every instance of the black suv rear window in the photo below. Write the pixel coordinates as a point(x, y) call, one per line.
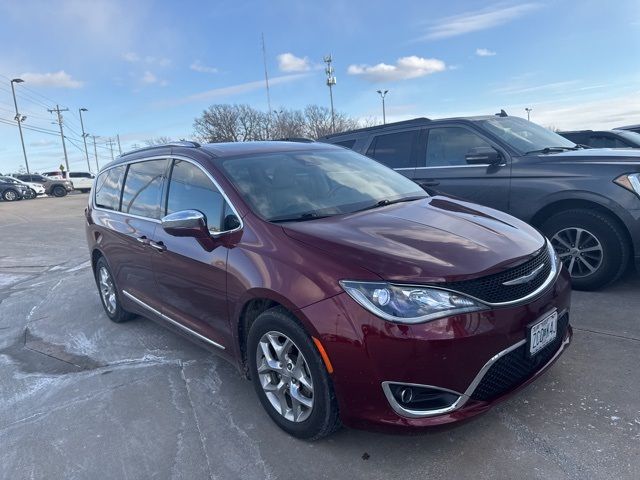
point(394, 149)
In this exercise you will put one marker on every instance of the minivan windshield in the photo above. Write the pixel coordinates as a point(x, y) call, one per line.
point(303, 185)
point(525, 136)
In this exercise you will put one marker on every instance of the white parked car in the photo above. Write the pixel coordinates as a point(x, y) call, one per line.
point(82, 181)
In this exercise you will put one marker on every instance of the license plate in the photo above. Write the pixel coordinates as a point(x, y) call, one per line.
point(543, 333)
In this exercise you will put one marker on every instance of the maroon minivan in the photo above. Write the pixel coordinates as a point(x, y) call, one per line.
point(345, 292)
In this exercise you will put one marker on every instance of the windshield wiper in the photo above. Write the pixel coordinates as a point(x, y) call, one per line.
point(298, 218)
point(552, 149)
point(385, 201)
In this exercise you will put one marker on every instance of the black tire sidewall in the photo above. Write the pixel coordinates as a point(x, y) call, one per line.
point(59, 191)
point(120, 315)
point(324, 410)
point(615, 249)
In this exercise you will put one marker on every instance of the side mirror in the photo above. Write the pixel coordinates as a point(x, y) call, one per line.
point(186, 223)
point(483, 155)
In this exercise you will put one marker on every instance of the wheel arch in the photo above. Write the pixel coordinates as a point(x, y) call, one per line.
point(255, 303)
point(561, 205)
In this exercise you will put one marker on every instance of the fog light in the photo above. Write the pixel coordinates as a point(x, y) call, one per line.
point(420, 398)
point(406, 395)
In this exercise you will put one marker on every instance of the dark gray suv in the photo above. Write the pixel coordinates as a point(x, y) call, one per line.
point(587, 201)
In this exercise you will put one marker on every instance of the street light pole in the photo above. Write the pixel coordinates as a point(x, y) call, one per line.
point(331, 81)
point(84, 136)
point(383, 93)
point(528, 110)
point(19, 119)
point(95, 152)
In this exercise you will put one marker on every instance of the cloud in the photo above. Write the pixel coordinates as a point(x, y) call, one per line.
point(59, 79)
point(199, 67)
point(288, 62)
point(149, 78)
point(233, 90)
point(468, 22)
point(518, 88)
point(133, 57)
point(405, 68)
point(484, 52)
point(42, 143)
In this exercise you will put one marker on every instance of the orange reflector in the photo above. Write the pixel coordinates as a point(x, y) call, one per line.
point(323, 354)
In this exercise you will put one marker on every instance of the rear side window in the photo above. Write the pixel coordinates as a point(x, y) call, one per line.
point(394, 149)
point(79, 175)
point(606, 141)
point(108, 188)
point(143, 188)
point(191, 189)
point(448, 146)
point(347, 143)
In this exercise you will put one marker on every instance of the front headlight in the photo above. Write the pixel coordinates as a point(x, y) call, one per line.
point(630, 181)
point(408, 303)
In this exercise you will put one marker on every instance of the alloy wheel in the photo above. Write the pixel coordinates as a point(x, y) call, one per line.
point(579, 250)
point(10, 196)
point(107, 290)
point(285, 376)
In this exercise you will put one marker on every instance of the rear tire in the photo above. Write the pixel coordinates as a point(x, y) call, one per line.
point(10, 195)
point(59, 191)
point(592, 246)
point(109, 293)
point(322, 418)
point(31, 194)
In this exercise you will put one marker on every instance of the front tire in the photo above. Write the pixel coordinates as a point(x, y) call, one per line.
point(10, 195)
point(289, 376)
point(109, 293)
point(59, 191)
point(31, 194)
point(591, 245)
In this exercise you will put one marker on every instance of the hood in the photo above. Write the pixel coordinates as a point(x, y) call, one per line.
point(430, 240)
point(622, 156)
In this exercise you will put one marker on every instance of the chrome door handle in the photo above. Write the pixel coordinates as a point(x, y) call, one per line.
point(142, 239)
point(159, 246)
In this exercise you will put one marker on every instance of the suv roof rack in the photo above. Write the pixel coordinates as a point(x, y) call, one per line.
point(177, 143)
point(417, 120)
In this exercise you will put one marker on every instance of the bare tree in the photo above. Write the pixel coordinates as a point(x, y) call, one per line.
point(161, 140)
point(242, 123)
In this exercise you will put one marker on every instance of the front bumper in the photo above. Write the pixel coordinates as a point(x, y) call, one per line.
point(451, 354)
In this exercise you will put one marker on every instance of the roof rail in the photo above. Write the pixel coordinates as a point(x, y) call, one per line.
point(295, 139)
point(177, 143)
point(377, 127)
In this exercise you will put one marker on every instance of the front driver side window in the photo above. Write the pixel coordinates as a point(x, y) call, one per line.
point(191, 189)
point(447, 146)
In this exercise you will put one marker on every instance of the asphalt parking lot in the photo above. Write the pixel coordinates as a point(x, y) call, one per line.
point(82, 397)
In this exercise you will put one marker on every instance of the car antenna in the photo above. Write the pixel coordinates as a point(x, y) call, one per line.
point(502, 113)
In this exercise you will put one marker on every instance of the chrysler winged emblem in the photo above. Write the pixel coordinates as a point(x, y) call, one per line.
point(525, 278)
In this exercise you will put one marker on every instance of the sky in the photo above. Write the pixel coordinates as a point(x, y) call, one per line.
point(144, 69)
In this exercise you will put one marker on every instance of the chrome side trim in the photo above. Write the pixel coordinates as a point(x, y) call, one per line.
point(172, 321)
point(465, 397)
point(170, 157)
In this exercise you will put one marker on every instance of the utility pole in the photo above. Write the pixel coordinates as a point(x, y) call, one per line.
point(19, 119)
point(266, 81)
point(383, 93)
point(528, 110)
point(64, 146)
point(84, 137)
point(95, 152)
point(119, 146)
point(331, 81)
point(110, 142)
